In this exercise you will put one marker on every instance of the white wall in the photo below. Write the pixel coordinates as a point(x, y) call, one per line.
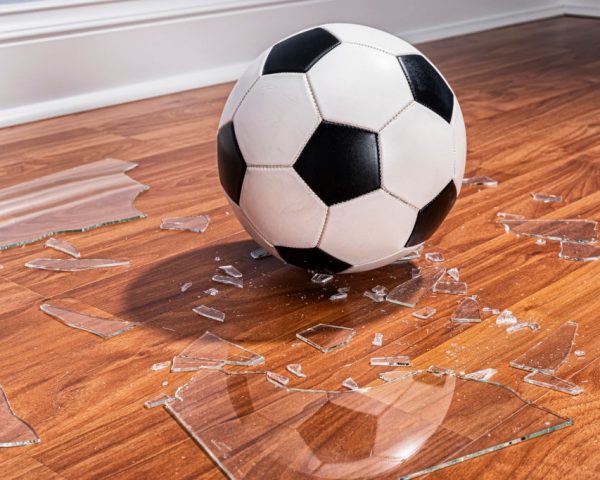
point(63, 56)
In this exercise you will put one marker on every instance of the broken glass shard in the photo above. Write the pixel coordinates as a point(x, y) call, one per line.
point(14, 432)
point(210, 313)
point(550, 381)
point(397, 361)
point(424, 313)
point(579, 252)
point(160, 366)
point(412, 291)
point(579, 353)
point(490, 310)
point(517, 327)
point(213, 348)
point(74, 200)
point(159, 400)
point(534, 327)
point(321, 278)
point(434, 257)
point(325, 337)
point(430, 425)
point(395, 375)
point(467, 311)
point(259, 253)
point(541, 241)
point(506, 317)
point(231, 271)
point(547, 355)
point(451, 287)
point(481, 180)
point(211, 291)
point(540, 197)
point(336, 297)
point(227, 280)
point(278, 380)
point(74, 264)
point(454, 274)
point(197, 224)
point(103, 327)
point(512, 216)
point(377, 340)
point(411, 256)
point(296, 369)
point(374, 296)
point(185, 287)
point(440, 370)
point(574, 230)
point(62, 246)
point(380, 290)
point(350, 384)
point(481, 375)
point(184, 364)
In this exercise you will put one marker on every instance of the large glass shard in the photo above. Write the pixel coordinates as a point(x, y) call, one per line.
point(579, 252)
point(575, 230)
point(401, 429)
point(227, 280)
point(481, 180)
point(547, 355)
point(450, 287)
point(554, 383)
point(210, 313)
point(540, 197)
point(103, 327)
point(196, 224)
point(412, 291)
point(74, 264)
point(467, 311)
point(325, 337)
point(74, 200)
point(14, 432)
point(62, 246)
point(213, 348)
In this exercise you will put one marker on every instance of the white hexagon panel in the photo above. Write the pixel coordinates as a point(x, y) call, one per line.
point(361, 34)
point(276, 119)
point(359, 86)
point(288, 212)
point(460, 145)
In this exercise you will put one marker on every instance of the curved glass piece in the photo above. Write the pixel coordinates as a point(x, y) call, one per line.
point(14, 432)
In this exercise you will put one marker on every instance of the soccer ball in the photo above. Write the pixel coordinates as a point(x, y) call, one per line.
point(341, 148)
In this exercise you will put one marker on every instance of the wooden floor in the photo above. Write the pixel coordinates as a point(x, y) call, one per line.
point(531, 100)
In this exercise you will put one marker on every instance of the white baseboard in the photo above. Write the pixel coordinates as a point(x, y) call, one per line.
point(65, 56)
point(589, 8)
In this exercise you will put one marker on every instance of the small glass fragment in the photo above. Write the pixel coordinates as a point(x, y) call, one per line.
point(547, 355)
point(517, 327)
point(210, 313)
point(412, 291)
point(434, 257)
point(579, 353)
point(534, 327)
point(160, 366)
point(161, 399)
point(103, 327)
point(424, 313)
point(481, 375)
point(259, 253)
point(512, 216)
point(62, 246)
point(184, 364)
point(197, 224)
point(467, 312)
point(295, 369)
point(231, 271)
point(450, 287)
point(321, 278)
point(278, 380)
point(336, 297)
point(397, 361)
point(579, 252)
point(506, 317)
point(215, 349)
point(14, 431)
point(554, 383)
point(481, 180)
point(211, 291)
point(227, 280)
point(490, 310)
point(380, 290)
point(440, 371)
point(411, 256)
point(454, 274)
point(74, 264)
point(325, 337)
point(217, 259)
point(377, 340)
point(540, 197)
point(350, 384)
point(374, 296)
point(541, 241)
point(185, 287)
point(573, 230)
point(396, 375)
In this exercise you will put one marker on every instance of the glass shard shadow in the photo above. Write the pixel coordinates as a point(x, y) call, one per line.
point(14, 432)
point(197, 224)
point(467, 311)
point(103, 327)
point(549, 354)
point(325, 337)
point(210, 313)
point(579, 252)
point(74, 264)
point(213, 348)
point(401, 429)
point(412, 291)
point(62, 246)
point(575, 230)
point(554, 383)
point(74, 200)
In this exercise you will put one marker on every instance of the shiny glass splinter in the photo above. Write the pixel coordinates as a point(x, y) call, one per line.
point(74, 264)
point(575, 230)
point(412, 291)
point(62, 246)
point(325, 337)
point(197, 224)
point(213, 348)
point(467, 312)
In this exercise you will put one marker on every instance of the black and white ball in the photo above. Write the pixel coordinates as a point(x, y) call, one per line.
point(341, 148)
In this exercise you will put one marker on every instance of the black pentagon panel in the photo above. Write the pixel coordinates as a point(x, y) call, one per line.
point(300, 52)
point(232, 166)
point(339, 162)
point(312, 259)
point(427, 85)
point(432, 215)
